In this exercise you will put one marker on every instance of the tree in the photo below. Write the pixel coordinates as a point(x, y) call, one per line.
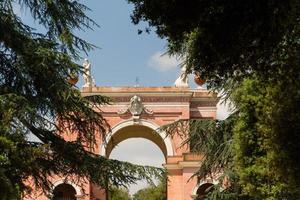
point(213, 140)
point(250, 51)
point(223, 39)
point(119, 194)
point(152, 192)
point(36, 98)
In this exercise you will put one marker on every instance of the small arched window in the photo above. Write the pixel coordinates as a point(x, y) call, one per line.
point(64, 192)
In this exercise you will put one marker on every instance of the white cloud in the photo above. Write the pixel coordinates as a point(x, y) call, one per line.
point(163, 62)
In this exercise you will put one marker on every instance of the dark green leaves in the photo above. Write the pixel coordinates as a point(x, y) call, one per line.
point(37, 100)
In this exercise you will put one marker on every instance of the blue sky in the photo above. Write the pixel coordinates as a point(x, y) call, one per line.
point(123, 54)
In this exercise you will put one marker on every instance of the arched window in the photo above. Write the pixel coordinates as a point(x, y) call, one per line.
point(203, 190)
point(64, 192)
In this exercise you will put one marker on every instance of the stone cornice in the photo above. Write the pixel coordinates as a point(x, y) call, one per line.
point(145, 94)
point(154, 98)
point(126, 89)
point(148, 91)
point(183, 164)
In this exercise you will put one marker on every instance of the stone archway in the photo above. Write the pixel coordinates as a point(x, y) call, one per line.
point(137, 112)
point(65, 190)
point(143, 129)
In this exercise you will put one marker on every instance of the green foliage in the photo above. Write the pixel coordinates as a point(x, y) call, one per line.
point(119, 194)
point(266, 139)
point(153, 192)
point(222, 40)
point(213, 140)
point(36, 99)
point(256, 148)
point(210, 138)
point(250, 51)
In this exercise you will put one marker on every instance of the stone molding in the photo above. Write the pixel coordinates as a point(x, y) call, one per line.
point(183, 165)
point(152, 99)
point(62, 181)
point(142, 122)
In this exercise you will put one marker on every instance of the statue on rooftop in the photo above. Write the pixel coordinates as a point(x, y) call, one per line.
point(87, 75)
point(182, 80)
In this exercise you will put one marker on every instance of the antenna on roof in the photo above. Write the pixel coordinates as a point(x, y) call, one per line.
point(137, 84)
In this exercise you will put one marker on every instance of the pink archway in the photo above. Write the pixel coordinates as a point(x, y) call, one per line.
point(138, 112)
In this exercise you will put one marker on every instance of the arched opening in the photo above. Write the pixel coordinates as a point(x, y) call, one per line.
point(64, 191)
point(203, 190)
point(142, 152)
point(138, 144)
point(136, 131)
point(144, 129)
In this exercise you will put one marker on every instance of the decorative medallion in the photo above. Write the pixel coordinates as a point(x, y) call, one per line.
point(136, 108)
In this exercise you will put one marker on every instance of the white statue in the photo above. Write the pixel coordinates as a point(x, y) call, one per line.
point(87, 75)
point(182, 80)
point(93, 82)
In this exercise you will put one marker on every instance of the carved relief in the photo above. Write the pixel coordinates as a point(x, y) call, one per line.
point(136, 108)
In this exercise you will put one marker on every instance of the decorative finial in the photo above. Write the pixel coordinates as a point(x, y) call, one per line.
point(199, 81)
point(182, 80)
